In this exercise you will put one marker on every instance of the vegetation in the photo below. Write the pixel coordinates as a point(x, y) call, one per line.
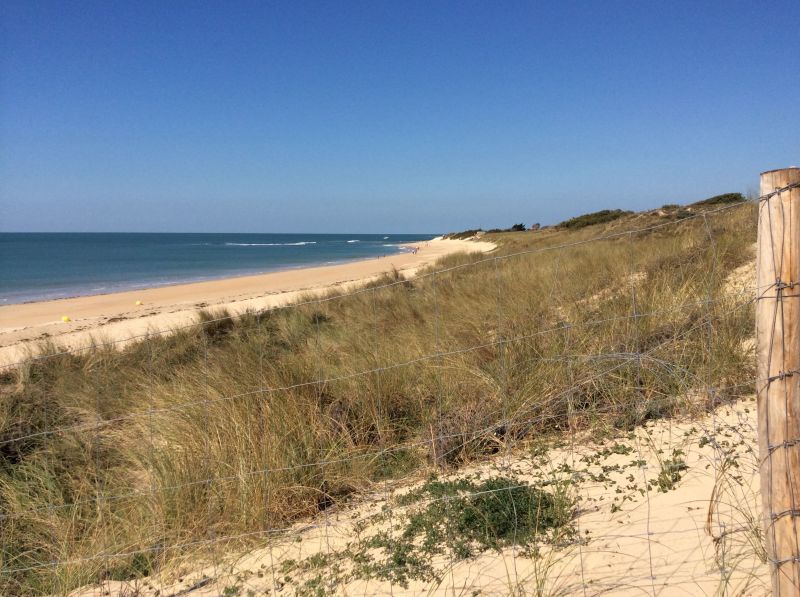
point(464, 234)
point(470, 517)
point(670, 473)
point(514, 228)
point(457, 519)
point(597, 217)
point(163, 449)
point(724, 199)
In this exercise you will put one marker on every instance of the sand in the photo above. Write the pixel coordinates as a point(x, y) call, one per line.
point(698, 537)
point(118, 318)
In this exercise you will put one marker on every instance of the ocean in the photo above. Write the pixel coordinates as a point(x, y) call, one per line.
point(43, 266)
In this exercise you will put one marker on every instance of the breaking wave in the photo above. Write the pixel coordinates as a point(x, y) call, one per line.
point(300, 244)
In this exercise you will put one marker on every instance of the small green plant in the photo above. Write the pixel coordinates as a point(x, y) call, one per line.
point(670, 472)
point(464, 518)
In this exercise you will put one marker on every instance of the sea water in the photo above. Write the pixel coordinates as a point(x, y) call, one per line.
point(42, 266)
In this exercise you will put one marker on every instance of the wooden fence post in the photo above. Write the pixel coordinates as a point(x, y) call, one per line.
point(778, 373)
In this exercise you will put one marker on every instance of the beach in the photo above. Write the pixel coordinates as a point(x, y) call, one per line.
point(124, 316)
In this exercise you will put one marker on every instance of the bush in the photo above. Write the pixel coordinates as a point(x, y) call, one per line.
point(597, 217)
point(462, 235)
point(465, 518)
point(514, 228)
point(721, 199)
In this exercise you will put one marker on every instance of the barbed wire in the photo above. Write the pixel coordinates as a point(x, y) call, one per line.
point(779, 191)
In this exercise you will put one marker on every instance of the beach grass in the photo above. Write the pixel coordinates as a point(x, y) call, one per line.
point(117, 463)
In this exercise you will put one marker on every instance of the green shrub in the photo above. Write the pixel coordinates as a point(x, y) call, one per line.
point(723, 199)
point(598, 217)
point(464, 517)
point(462, 235)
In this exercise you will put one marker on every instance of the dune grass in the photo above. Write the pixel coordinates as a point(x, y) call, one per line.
point(168, 448)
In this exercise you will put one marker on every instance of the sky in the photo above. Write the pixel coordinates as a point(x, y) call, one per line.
point(385, 116)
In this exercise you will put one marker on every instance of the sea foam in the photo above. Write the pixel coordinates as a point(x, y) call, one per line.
point(300, 244)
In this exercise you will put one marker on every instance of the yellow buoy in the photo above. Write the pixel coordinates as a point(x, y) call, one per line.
point(138, 303)
point(65, 318)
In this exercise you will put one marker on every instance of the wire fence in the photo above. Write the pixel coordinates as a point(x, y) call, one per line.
point(564, 418)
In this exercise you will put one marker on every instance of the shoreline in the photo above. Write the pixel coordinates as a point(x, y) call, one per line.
point(116, 316)
point(147, 286)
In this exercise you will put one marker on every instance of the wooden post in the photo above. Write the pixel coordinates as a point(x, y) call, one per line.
point(778, 373)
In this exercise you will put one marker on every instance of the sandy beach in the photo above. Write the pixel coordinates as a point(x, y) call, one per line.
point(119, 317)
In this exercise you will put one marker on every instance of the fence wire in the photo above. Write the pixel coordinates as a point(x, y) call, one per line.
point(574, 418)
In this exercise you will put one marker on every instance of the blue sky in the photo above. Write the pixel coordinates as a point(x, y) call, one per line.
point(384, 117)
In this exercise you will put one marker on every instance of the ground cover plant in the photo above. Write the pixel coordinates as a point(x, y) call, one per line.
point(115, 463)
point(443, 519)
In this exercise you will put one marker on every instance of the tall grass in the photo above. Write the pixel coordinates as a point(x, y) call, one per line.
point(221, 430)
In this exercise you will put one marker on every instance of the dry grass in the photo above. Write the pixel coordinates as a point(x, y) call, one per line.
point(222, 429)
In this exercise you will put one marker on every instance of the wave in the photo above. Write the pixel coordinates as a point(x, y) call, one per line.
point(354, 241)
point(300, 244)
